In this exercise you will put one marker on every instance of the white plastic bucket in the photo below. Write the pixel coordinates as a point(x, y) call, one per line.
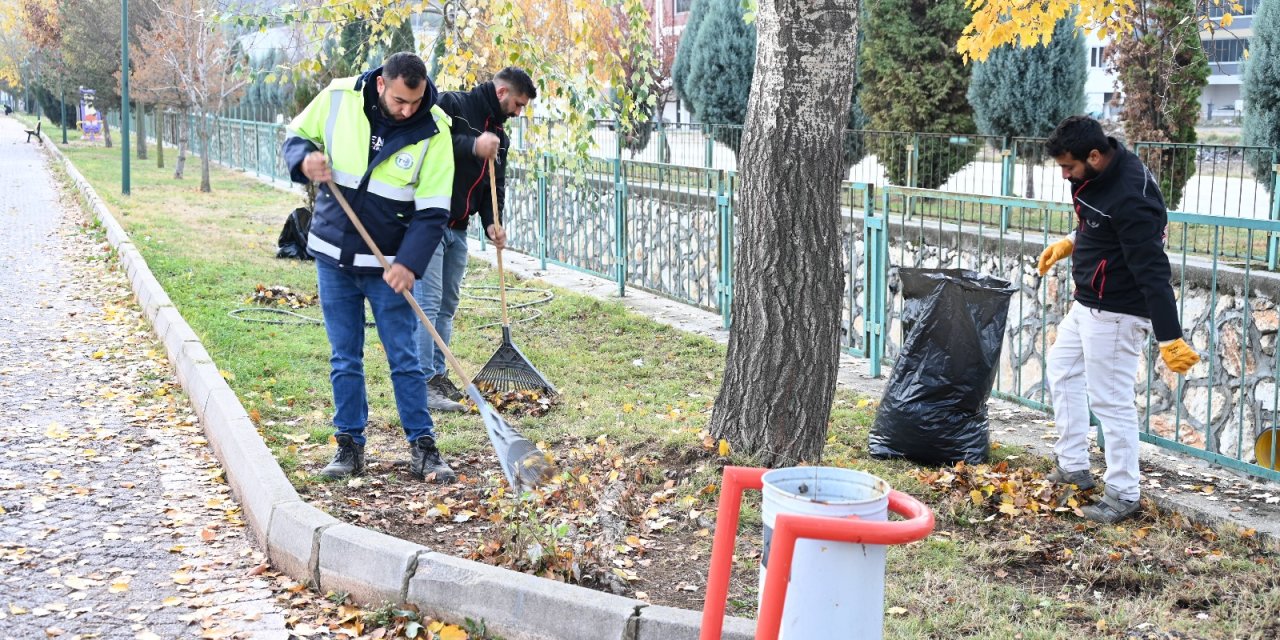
point(836, 588)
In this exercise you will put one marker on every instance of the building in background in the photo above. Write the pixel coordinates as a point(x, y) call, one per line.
point(1220, 100)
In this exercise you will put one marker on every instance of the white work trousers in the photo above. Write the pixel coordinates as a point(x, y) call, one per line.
point(1093, 365)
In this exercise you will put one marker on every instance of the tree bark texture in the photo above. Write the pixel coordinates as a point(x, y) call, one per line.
point(182, 146)
point(784, 345)
point(140, 126)
point(205, 185)
point(159, 138)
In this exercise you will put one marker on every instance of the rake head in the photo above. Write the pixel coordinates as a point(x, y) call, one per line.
point(509, 370)
point(522, 463)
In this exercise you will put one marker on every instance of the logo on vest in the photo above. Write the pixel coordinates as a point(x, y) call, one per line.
point(404, 161)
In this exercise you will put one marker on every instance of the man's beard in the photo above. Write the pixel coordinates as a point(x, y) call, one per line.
point(386, 111)
point(1089, 174)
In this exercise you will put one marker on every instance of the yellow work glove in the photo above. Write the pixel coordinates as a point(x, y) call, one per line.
point(1054, 253)
point(1178, 355)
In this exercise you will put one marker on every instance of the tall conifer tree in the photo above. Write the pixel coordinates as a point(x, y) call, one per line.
point(1021, 92)
point(1261, 89)
point(913, 80)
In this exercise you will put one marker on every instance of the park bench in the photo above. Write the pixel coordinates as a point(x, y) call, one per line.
point(34, 132)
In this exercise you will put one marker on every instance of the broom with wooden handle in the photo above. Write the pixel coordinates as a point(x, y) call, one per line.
point(508, 369)
point(522, 463)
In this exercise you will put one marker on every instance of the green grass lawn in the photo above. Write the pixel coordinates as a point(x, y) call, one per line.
point(649, 387)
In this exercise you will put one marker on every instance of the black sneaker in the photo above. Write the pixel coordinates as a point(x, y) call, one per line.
point(446, 387)
point(348, 461)
point(426, 464)
point(438, 401)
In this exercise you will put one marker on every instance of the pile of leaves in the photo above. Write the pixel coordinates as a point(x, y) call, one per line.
point(1001, 491)
point(516, 403)
point(281, 296)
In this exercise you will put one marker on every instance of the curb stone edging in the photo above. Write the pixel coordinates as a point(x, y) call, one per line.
point(314, 548)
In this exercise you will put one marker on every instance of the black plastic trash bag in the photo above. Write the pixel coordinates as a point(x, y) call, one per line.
point(934, 409)
point(293, 237)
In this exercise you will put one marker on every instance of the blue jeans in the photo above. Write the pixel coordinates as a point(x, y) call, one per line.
point(342, 297)
point(437, 293)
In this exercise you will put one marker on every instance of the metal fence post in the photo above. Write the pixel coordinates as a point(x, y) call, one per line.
point(620, 225)
point(257, 150)
point(724, 209)
point(1273, 243)
point(913, 160)
point(875, 279)
point(1006, 181)
point(545, 161)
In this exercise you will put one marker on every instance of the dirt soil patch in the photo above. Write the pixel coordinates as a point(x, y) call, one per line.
point(636, 522)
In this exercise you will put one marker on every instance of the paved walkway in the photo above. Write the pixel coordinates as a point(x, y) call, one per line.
point(113, 520)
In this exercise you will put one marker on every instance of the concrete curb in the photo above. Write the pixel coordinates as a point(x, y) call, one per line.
point(314, 548)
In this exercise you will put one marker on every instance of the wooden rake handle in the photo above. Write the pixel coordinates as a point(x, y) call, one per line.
point(408, 294)
point(497, 222)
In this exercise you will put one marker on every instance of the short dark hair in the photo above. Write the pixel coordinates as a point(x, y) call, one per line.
point(406, 66)
point(1077, 135)
point(517, 79)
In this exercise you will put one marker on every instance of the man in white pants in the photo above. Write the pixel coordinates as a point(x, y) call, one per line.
point(1122, 291)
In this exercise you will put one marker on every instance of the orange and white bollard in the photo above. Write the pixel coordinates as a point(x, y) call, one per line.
point(825, 534)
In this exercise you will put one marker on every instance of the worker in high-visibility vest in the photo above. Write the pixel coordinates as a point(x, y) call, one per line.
point(381, 138)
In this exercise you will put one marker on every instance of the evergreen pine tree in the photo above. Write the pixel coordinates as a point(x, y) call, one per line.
point(1162, 69)
point(1261, 90)
point(684, 52)
point(721, 60)
point(1026, 92)
point(913, 80)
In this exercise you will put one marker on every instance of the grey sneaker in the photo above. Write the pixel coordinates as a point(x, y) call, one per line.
point(1110, 509)
point(1082, 479)
point(446, 386)
point(348, 461)
point(437, 401)
point(425, 462)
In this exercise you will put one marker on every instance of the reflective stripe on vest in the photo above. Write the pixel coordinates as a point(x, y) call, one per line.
point(359, 260)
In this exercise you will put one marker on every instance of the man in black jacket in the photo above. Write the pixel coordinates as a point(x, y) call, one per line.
point(1122, 291)
point(478, 136)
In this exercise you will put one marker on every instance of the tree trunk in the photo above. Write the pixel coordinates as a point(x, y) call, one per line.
point(204, 159)
point(1033, 161)
point(106, 130)
point(182, 147)
point(140, 124)
point(159, 138)
point(784, 346)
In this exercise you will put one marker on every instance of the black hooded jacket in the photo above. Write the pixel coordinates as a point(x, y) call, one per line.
point(475, 112)
point(1119, 263)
